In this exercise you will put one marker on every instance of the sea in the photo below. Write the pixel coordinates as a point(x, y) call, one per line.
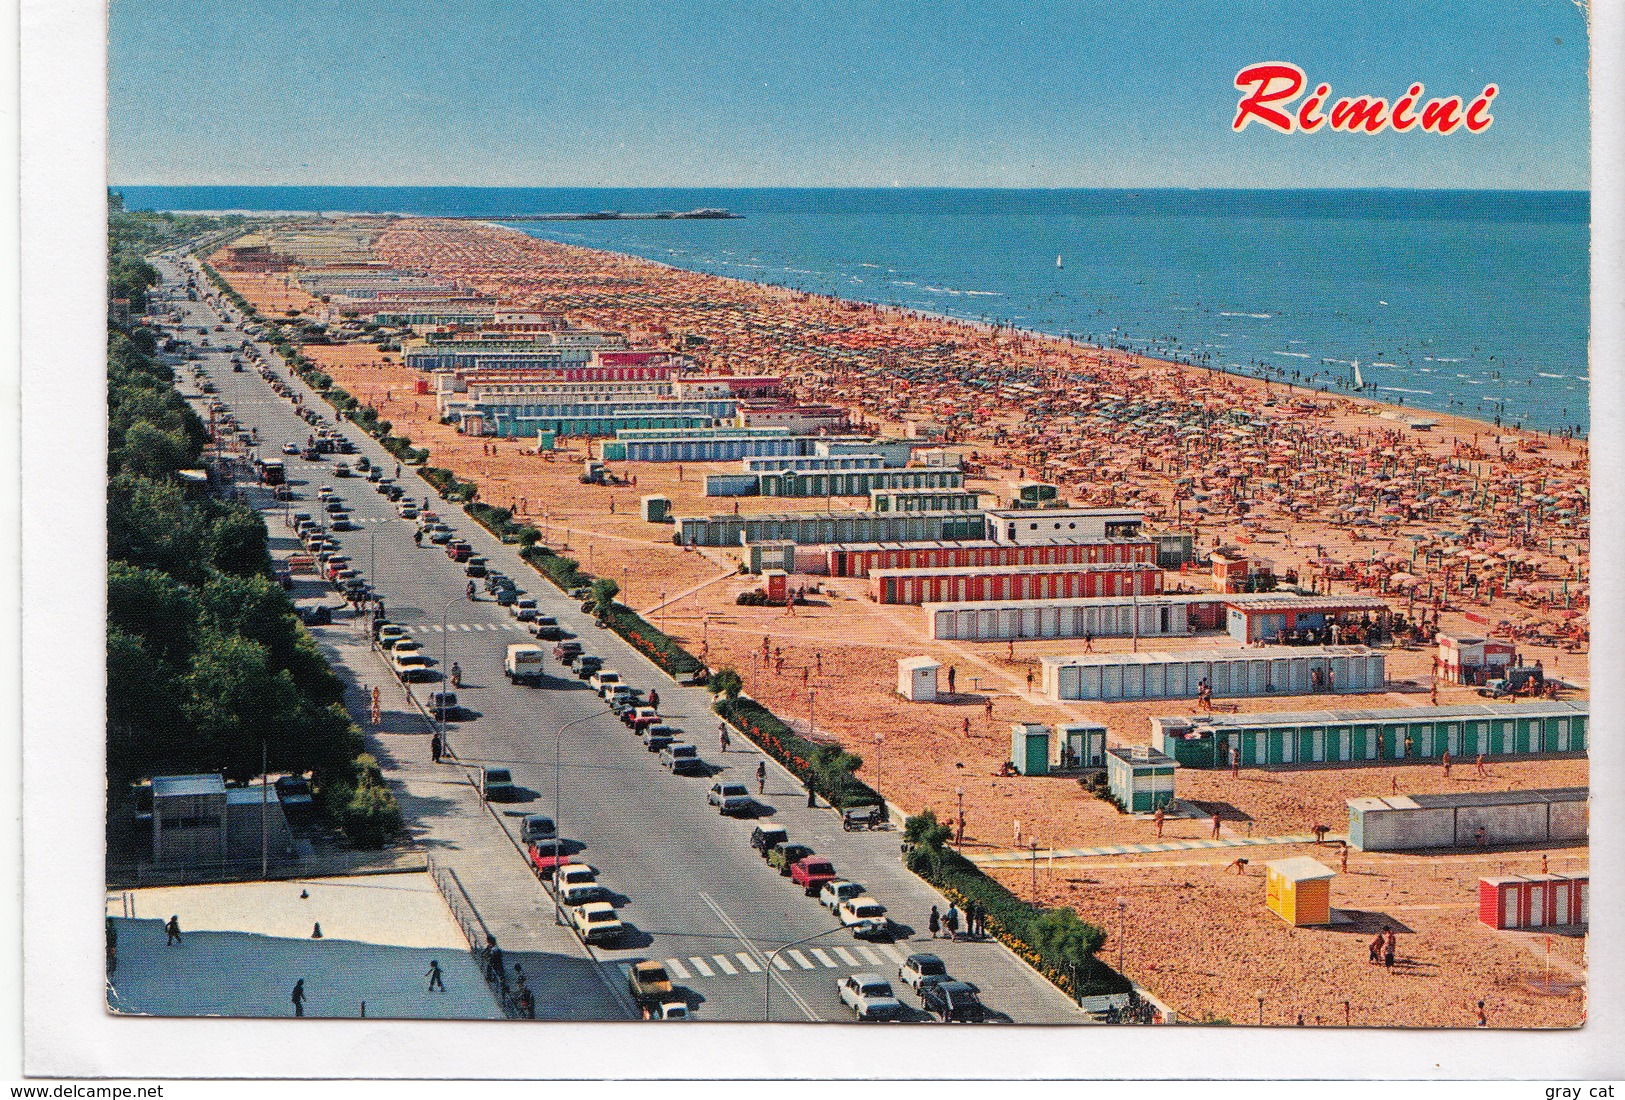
point(1470, 302)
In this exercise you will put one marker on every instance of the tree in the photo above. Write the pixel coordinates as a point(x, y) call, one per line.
point(149, 523)
point(834, 766)
point(925, 830)
point(1064, 940)
point(236, 542)
point(153, 453)
point(237, 702)
point(604, 591)
point(726, 683)
point(148, 732)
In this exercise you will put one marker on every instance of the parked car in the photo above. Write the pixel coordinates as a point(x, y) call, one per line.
point(658, 737)
point(407, 510)
point(474, 567)
point(836, 891)
point(290, 449)
point(444, 705)
point(639, 718)
point(674, 1010)
point(537, 827)
point(459, 552)
point(293, 791)
point(342, 470)
point(811, 873)
point(597, 922)
point(786, 856)
point(602, 679)
point(573, 894)
point(869, 996)
point(729, 798)
point(363, 464)
point(546, 856)
point(496, 784)
point(585, 665)
point(865, 916)
point(953, 1003)
point(647, 981)
point(506, 594)
point(547, 628)
point(523, 609)
point(566, 650)
point(681, 758)
point(375, 475)
point(764, 837)
point(922, 969)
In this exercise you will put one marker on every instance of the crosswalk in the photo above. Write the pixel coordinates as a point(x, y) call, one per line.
point(743, 963)
point(453, 628)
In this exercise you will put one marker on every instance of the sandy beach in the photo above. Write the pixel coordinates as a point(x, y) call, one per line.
point(1484, 528)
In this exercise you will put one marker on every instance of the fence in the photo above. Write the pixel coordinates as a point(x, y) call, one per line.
point(135, 874)
point(474, 931)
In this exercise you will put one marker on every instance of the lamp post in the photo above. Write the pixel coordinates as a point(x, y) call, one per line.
point(558, 748)
point(959, 833)
point(1260, 995)
point(1122, 930)
point(767, 1000)
point(445, 644)
point(880, 741)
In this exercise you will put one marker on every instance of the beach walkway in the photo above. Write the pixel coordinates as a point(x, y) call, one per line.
point(1014, 856)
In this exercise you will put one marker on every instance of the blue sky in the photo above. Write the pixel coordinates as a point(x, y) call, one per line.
point(1099, 93)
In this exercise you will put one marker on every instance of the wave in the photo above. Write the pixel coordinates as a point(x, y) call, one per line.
point(1402, 389)
point(1543, 374)
point(1377, 363)
point(1294, 354)
point(903, 282)
point(1440, 359)
point(1257, 316)
point(985, 293)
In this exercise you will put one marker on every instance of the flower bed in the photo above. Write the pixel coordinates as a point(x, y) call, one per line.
point(837, 784)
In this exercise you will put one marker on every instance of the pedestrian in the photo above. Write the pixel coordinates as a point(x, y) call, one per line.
point(989, 709)
point(1409, 742)
point(174, 930)
point(1343, 858)
point(1483, 1020)
point(818, 667)
point(1388, 948)
point(761, 777)
point(1215, 826)
point(436, 747)
point(934, 922)
point(496, 970)
point(1483, 773)
point(967, 726)
point(959, 833)
point(654, 699)
point(1375, 950)
point(812, 799)
point(953, 674)
point(805, 672)
point(1235, 763)
point(1543, 863)
point(1445, 760)
point(1029, 680)
point(1088, 641)
point(1016, 825)
point(299, 997)
point(1157, 818)
point(1433, 694)
point(435, 981)
point(950, 921)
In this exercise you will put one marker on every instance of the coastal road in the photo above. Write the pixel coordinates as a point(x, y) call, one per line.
point(693, 893)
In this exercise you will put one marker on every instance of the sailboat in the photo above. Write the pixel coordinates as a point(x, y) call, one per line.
point(1359, 383)
point(1058, 261)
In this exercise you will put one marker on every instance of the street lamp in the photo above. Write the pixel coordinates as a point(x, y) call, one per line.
point(1122, 930)
point(1260, 995)
point(960, 833)
point(880, 741)
point(767, 1001)
point(558, 748)
point(445, 634)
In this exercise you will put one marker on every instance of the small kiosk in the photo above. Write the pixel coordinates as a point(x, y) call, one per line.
point(1029, 748)
point(917, 679)
point(1140, 777)
point(1080, 745)
point(1299, 890)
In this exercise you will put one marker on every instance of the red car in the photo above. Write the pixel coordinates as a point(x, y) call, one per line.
point(459, 551)
point(547, 856)
point(811, 873)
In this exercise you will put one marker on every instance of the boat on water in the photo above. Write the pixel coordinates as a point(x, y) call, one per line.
point(1058, 261)
point(1359, 383)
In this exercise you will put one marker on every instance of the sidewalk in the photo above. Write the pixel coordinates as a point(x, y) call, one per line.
point(998, 858)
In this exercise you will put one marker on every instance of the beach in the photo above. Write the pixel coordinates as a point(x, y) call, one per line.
point(1477, 528)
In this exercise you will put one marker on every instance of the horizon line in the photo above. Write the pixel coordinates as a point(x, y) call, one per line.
point(856, 187)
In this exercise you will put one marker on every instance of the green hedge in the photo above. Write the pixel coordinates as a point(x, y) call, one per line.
point(672, 658)
point(1021, 924)
point(830, 778)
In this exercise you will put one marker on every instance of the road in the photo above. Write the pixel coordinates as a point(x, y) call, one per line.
point(691, 890)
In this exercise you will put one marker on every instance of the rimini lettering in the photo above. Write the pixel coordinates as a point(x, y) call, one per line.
point(1271, 88)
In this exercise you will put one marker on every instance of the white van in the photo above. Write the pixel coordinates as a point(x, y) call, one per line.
point(524, 664)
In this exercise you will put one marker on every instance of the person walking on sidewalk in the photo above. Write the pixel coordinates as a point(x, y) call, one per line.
point(761, 777)
point(934, 922)
point(436, 747)
point(174, 930)
point(435, 980)
point(299, 997)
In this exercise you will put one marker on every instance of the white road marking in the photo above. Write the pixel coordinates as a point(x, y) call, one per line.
point(437, 628)
point(845, 956)
point(747, 962)
point(823, 958)
point(801, 960)
point(780, 963)
point(699, 964)
point(868, 954)
point(727, 967)
point(890, 952)
point(676, 967)
point(462, 626)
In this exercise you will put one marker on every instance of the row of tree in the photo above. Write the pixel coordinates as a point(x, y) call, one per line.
point(208, 666)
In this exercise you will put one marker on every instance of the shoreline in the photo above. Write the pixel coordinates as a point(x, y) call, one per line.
point(1460, 424)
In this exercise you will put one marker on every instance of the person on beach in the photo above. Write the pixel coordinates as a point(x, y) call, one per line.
point(1445, 760)
point(1088, 641)
point(1235, 763)
point(1157, 819)
point(173, 928)
point(1483, 773)
point(988, 707)
point(1388, 948)
point(952, 675)
point(1215, 826)
point(967, 727)
point(1343, 858)
point(1375, 949)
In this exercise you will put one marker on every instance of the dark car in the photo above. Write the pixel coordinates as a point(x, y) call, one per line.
point(764, 837)
point(443, 704)
point(785, 856)
point(293, 791)
point(953, 1003)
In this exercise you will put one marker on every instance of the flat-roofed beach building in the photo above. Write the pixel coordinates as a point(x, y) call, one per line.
point(861, 560)
point(1479, 819)
point(813, 528)
point(1015, 582)
point(1358, 737)
point(1229, 672)
point(1029, 526)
